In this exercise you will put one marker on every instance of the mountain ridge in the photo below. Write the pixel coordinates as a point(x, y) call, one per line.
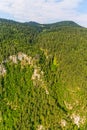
point(33, 23)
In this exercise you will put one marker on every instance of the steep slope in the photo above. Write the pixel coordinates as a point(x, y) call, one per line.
point(66, 52)
point(43, 76)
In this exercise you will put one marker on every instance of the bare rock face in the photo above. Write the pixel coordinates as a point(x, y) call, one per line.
point(13, 58)
point(2, 70)
point(41, 127)
point(63, 123)
point(77, 119)
point(36, 75)
point(21, 56)
point(25, 58)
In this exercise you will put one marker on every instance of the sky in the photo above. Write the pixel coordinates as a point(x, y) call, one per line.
point(45, 11)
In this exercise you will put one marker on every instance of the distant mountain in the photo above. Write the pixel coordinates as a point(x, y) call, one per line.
point(31, 23)
point(65, 23)
point(2, 20)
point(35, 24)
point(57, 24)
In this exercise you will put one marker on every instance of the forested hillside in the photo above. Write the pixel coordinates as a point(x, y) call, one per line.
point(43, 76)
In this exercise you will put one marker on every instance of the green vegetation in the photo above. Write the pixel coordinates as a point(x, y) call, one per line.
point(43, 76)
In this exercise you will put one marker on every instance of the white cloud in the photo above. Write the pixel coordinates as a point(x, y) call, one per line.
point(44, 11)
point(82, 19)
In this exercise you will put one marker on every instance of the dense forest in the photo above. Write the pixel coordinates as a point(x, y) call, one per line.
point(43, 76)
